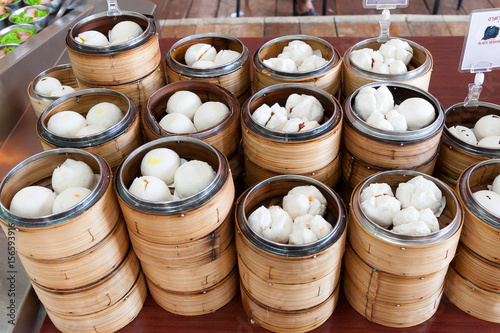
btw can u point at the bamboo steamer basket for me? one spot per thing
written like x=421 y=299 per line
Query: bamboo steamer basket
x=64 y=73
x=186 y=255
x=285 y=278
x=390 y=149
x=326 y=77
x=289 y=321
x=377 y=150
x=224 y=136
x=64 y=234
x=139 y=90
x=82 y=269
x=481 y=232
x=199 y=302
x=192 y=278
x=181 y=221
x=456 y=155
x=301 y=153
x=398 y=254
x=483 y=273
x=94 y=297
x=468 y=297
x=418 y=75
x=112 y=144
x=116 y=64
x=329 y=175
x=110 y=319
x=233 y=76
x=389 y=299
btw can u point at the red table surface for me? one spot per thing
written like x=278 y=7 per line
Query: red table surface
x=449 y=87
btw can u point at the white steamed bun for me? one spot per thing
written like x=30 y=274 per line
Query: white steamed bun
x=151 y=189
x=69 y=198
x=489 y=200
x=420 y=193
x=185 y=102
x=33 y=201
x=72 y=174
x=104 y=114
x=123 y=31
x=177 y=123
x=46 y=85
x=487 y=126
x=463 y=133
x=200 y=51
x=161 y=163
x=92 y=38
x=302 y=200
x=66 y=123
x=192 y=177
x=304 y=106
x=308 y=228
x=210 y=114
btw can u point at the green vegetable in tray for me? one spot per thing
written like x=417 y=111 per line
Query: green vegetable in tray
x=4 y=15
x=9 y=49
x=17 y=35
x=33 y=2
x=22 y=19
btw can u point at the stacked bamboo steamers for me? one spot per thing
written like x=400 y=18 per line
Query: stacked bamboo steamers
x=79 y=261
x=185 y=246
x=195 y=250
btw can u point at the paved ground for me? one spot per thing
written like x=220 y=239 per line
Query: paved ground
x=322 y=26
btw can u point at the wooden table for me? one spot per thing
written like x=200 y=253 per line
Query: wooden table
x=449 y=87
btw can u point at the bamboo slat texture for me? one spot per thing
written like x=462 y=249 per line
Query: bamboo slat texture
x=449 y=87
x=140 y=90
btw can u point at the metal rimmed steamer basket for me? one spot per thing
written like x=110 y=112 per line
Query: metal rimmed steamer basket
x=234 y=76
x=185 y=246
x=73 y=257
x=367 y=150
x=327 y=77
x=64 y=73
x=418 y=75
x=473 y=282
x=112 y=144
x=133 y=67
x=392 y=279
x=456 y=155
x=224 y=136
x=313 y=153
x=287 y=287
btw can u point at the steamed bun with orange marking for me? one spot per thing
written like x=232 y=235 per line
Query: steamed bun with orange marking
x=69 y=198
x=151 y=189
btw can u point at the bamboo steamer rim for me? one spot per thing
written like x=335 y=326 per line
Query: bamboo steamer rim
x=299 y=88
x=259 y=64
x=172 y=207
x=233 y=106
x=291 y=250
x=467 y=147
x=149 y=30
x=401 y=138
x=221 y=70
x=464 y=191
x=125 y=259
x=64 y=216
x=92 y=140
x=473 y=285
x=401 y=239
x=31 y=87
x=422 y=69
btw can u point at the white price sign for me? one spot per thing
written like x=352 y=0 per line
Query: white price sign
x=481 y=50
x=385 y=4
